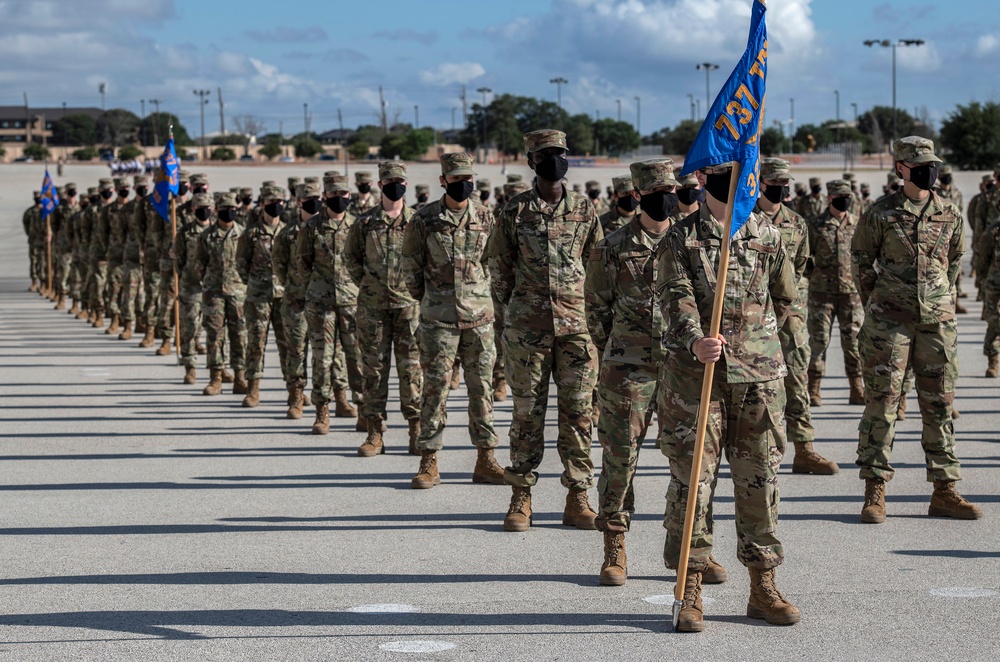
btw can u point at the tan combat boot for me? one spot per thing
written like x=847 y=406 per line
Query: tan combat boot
x=215 y=385
x=578 y=512
x=615 y=568
x=190 y=375
x=691 y=618
x=240 y=383
x=297 y=392
x=487 y=470
x=60 y=302
x=427 y=475
x=147 y=339
x=954 y=411
x=815 y=390
x=362 y=424
x=166 y=348
x=873 y=511
x=500 y=390
x=519 y=514
x=414 y=435
x=84 y=314
x=947 y=502
x=960 y=309
x=98 y=319
x=455 y=376
x=114 y=327
x=34 y=286
x=901 y=409
x=714 y=573
x=343 y=407
x=126 y=333
x=75 y=308
x=767 y=602
x=992 y=370
x=227 y=377
x=322 y=424
x=373 y=444
x=253 y=394
x=808 y=461
x=857 y=391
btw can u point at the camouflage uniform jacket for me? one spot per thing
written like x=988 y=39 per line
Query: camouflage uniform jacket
x=987 y=262
x=137 y=225
x=612 y=220
x=215 y=261
x=62 y=226
x=760 y=290
x=83 y=228
x=623 y=311
x=795 y=239
x=541 y=256
x=986 y=211
x=972 y=213
x=810 y=206
x=830 y=244
x=445 y=265
x=289 y=278
x=38 y=229
x=918 y=247
x=99 y=235
x=254 y=253
x=26 y=221
x=601 y=206
x=185 y=248
x=359 y=207
x=952 y=195
x=114 y=216
x=156 y=230
x=185 y=215
x=323 y=256
x=244 y=217
x=375 y=259
x=291 y=213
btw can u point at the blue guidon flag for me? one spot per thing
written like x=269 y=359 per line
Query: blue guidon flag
x=166 y=181
x=50 y=199
x=731 y=130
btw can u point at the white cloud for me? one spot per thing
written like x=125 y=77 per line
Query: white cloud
x=449 y=73
x=987 y=44
x=919 y=59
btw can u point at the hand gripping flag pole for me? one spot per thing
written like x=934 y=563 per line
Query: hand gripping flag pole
x=732 y=137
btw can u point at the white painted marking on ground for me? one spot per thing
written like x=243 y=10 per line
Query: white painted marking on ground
x=384 y=609
x=669 y=600
x=416 y=646
x=963 y=592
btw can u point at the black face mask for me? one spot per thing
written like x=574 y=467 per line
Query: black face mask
x=38 y=201
x=104 y=194
x=422 y=197
x=182 y=189
x=458 y=191
x=552 y=168
x=776 y=193
x=841 y=204
x=311 y=205
x=203 y=213
x=628 y=203
x=338 y=204
x=658 y=205
x=718 y=186
x=593 y=195
x=274 y=209
x=817 y=189
x=200 y=189
x=94 y=199
x=924 y=176
x=71 y=192
x=123 y=193
x=364 y=188
x=246 y=200
x=395 y=191
x=865 y=194
x=990 y=186
x=141 y=191
x=894 y=188
x=945 y=179
x=688 y=196
x=227 y=215
x=484 y=196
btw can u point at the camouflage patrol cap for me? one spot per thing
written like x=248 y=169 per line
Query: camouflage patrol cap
x=269 y=192
x=227 y=199
x=482 y=185
x=201 y=200
x=70 y=185
x=622 y=184
x=838 y=187
x=815 y=181
x=245 y=191
x=199 y=178
x=497 y=191
x=514 y=177
x=121 y=182
x=140 y=180
x=535 y=141
x=718 y=169
x=363 y=177
x=391 y=170
x=423 y=189
x=330 y=173
x=892 y=178
x=269 y=182
x=577 y=188
x=987 y=179
x=689 y=180
x=593 y=185
x=293 y=182
x=914 y=149
x=183 y=176
x=865 y=186
x=217 y=195
x=652 y=173
x=510 y=189
x=234 y=189
x=800 y=186
x=775 y=169
x=945 y=170
x=308 y=190
x=336 y=183
x=104 y=184
x=92 y=190
x=848 y=177
x=312 y=180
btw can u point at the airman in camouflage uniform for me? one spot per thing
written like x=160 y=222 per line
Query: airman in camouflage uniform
x=365 y=199
x=445 y=268
x=223 y=296
x=244 y=218
x=35 y=250
x=84 y=229
x=483 y=191
x=866 y=198
x=832 y=293
x=541 y=245
x=115 y=217
x=775 y=175
x=132 y=257
x=263 y=298
x=688 y=195
x=185 y=252
x=972 y=215
x=423 y=195
x=388 y=315
x=748 y=394
x=154 y=228
x=987 y=265
x=164 y=236
x=946 y=190
x=97 y=255
x=594 y=195
x=625 y=205
x=291 y=213
x=331 y=305
x=62 y=242
x=917 y=240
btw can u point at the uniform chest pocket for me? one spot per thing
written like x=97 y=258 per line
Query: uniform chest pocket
x=752 y=260
x=898 y=247
x=532 y=237
x=934 y=234
x=570 y=232
x=326 y=243
x=703 y=256
x=637 y=273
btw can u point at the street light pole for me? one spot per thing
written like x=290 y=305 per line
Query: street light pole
x=619 y=102
x=837 y=94
x=886 y=43
x=484 y=91
x=637 y=109
x=156 y=127
x=691 y=99
x=416 y=116
x=709 y=68
x=791 y=117
x=855 y=107
x=201 y=94
x=559 y=82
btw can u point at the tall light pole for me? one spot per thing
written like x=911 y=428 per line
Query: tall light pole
x=637 y=108
x=708 y=67
x=791 y=118
x=855 y=107
x=305 y=118
x=202 y=102
x=559 y=82
x=886 y=43
x=142 y=134
x=619 y=102
x=484 y=91
x=453 y=118
x=156 y=126
x=102 y=89
x=691 y=99
x=416 y=116
x=837 y=94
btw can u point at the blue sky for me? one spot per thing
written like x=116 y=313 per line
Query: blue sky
x=271 y=57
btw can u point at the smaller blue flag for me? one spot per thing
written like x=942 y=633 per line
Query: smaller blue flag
x=731 y=131
x=166 y=181
x=50 y=199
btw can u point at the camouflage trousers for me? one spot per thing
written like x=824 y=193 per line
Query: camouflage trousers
x=166 y=297
x=113 y=289
x=151 y=283
x=795 y=348
x=261 y=317
x=36 y=263
x=96 y=285
x=191 y=324
x=63 y=267
x=382 y=333
x=474 y=348
x=849 y=313
x=132 y=291
x=991 y=311
x=333 y=334
x=886 y=347
x=224 y=313
x=745 y=421
x=77 y=278
x=293 y=320
x=531 y=359
x=627 y=397
x=499 y=322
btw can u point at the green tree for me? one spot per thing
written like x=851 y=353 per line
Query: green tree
x=126 y=152
x=814 y=136
x=117 y=127
x=223 y=154
x=156 y=129
x=358 y=150
x=971 y=135
x=271 y=149
x=3 y=151
x=616 y=137
x=230 y=139
x=76 y=129
x=368 y=134
x=878 y=122
x=409 y=146
x=507 y=118
x=37 y=152
x=579 y=134
x=772 y=141
x=677 y=140
x=306 y=146
x=85 y=153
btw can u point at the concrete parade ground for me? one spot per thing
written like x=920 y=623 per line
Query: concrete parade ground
x=141 y=520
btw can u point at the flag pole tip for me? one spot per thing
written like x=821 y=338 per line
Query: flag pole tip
x=677 y=611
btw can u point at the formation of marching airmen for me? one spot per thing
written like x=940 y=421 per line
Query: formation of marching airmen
x=610 y=298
